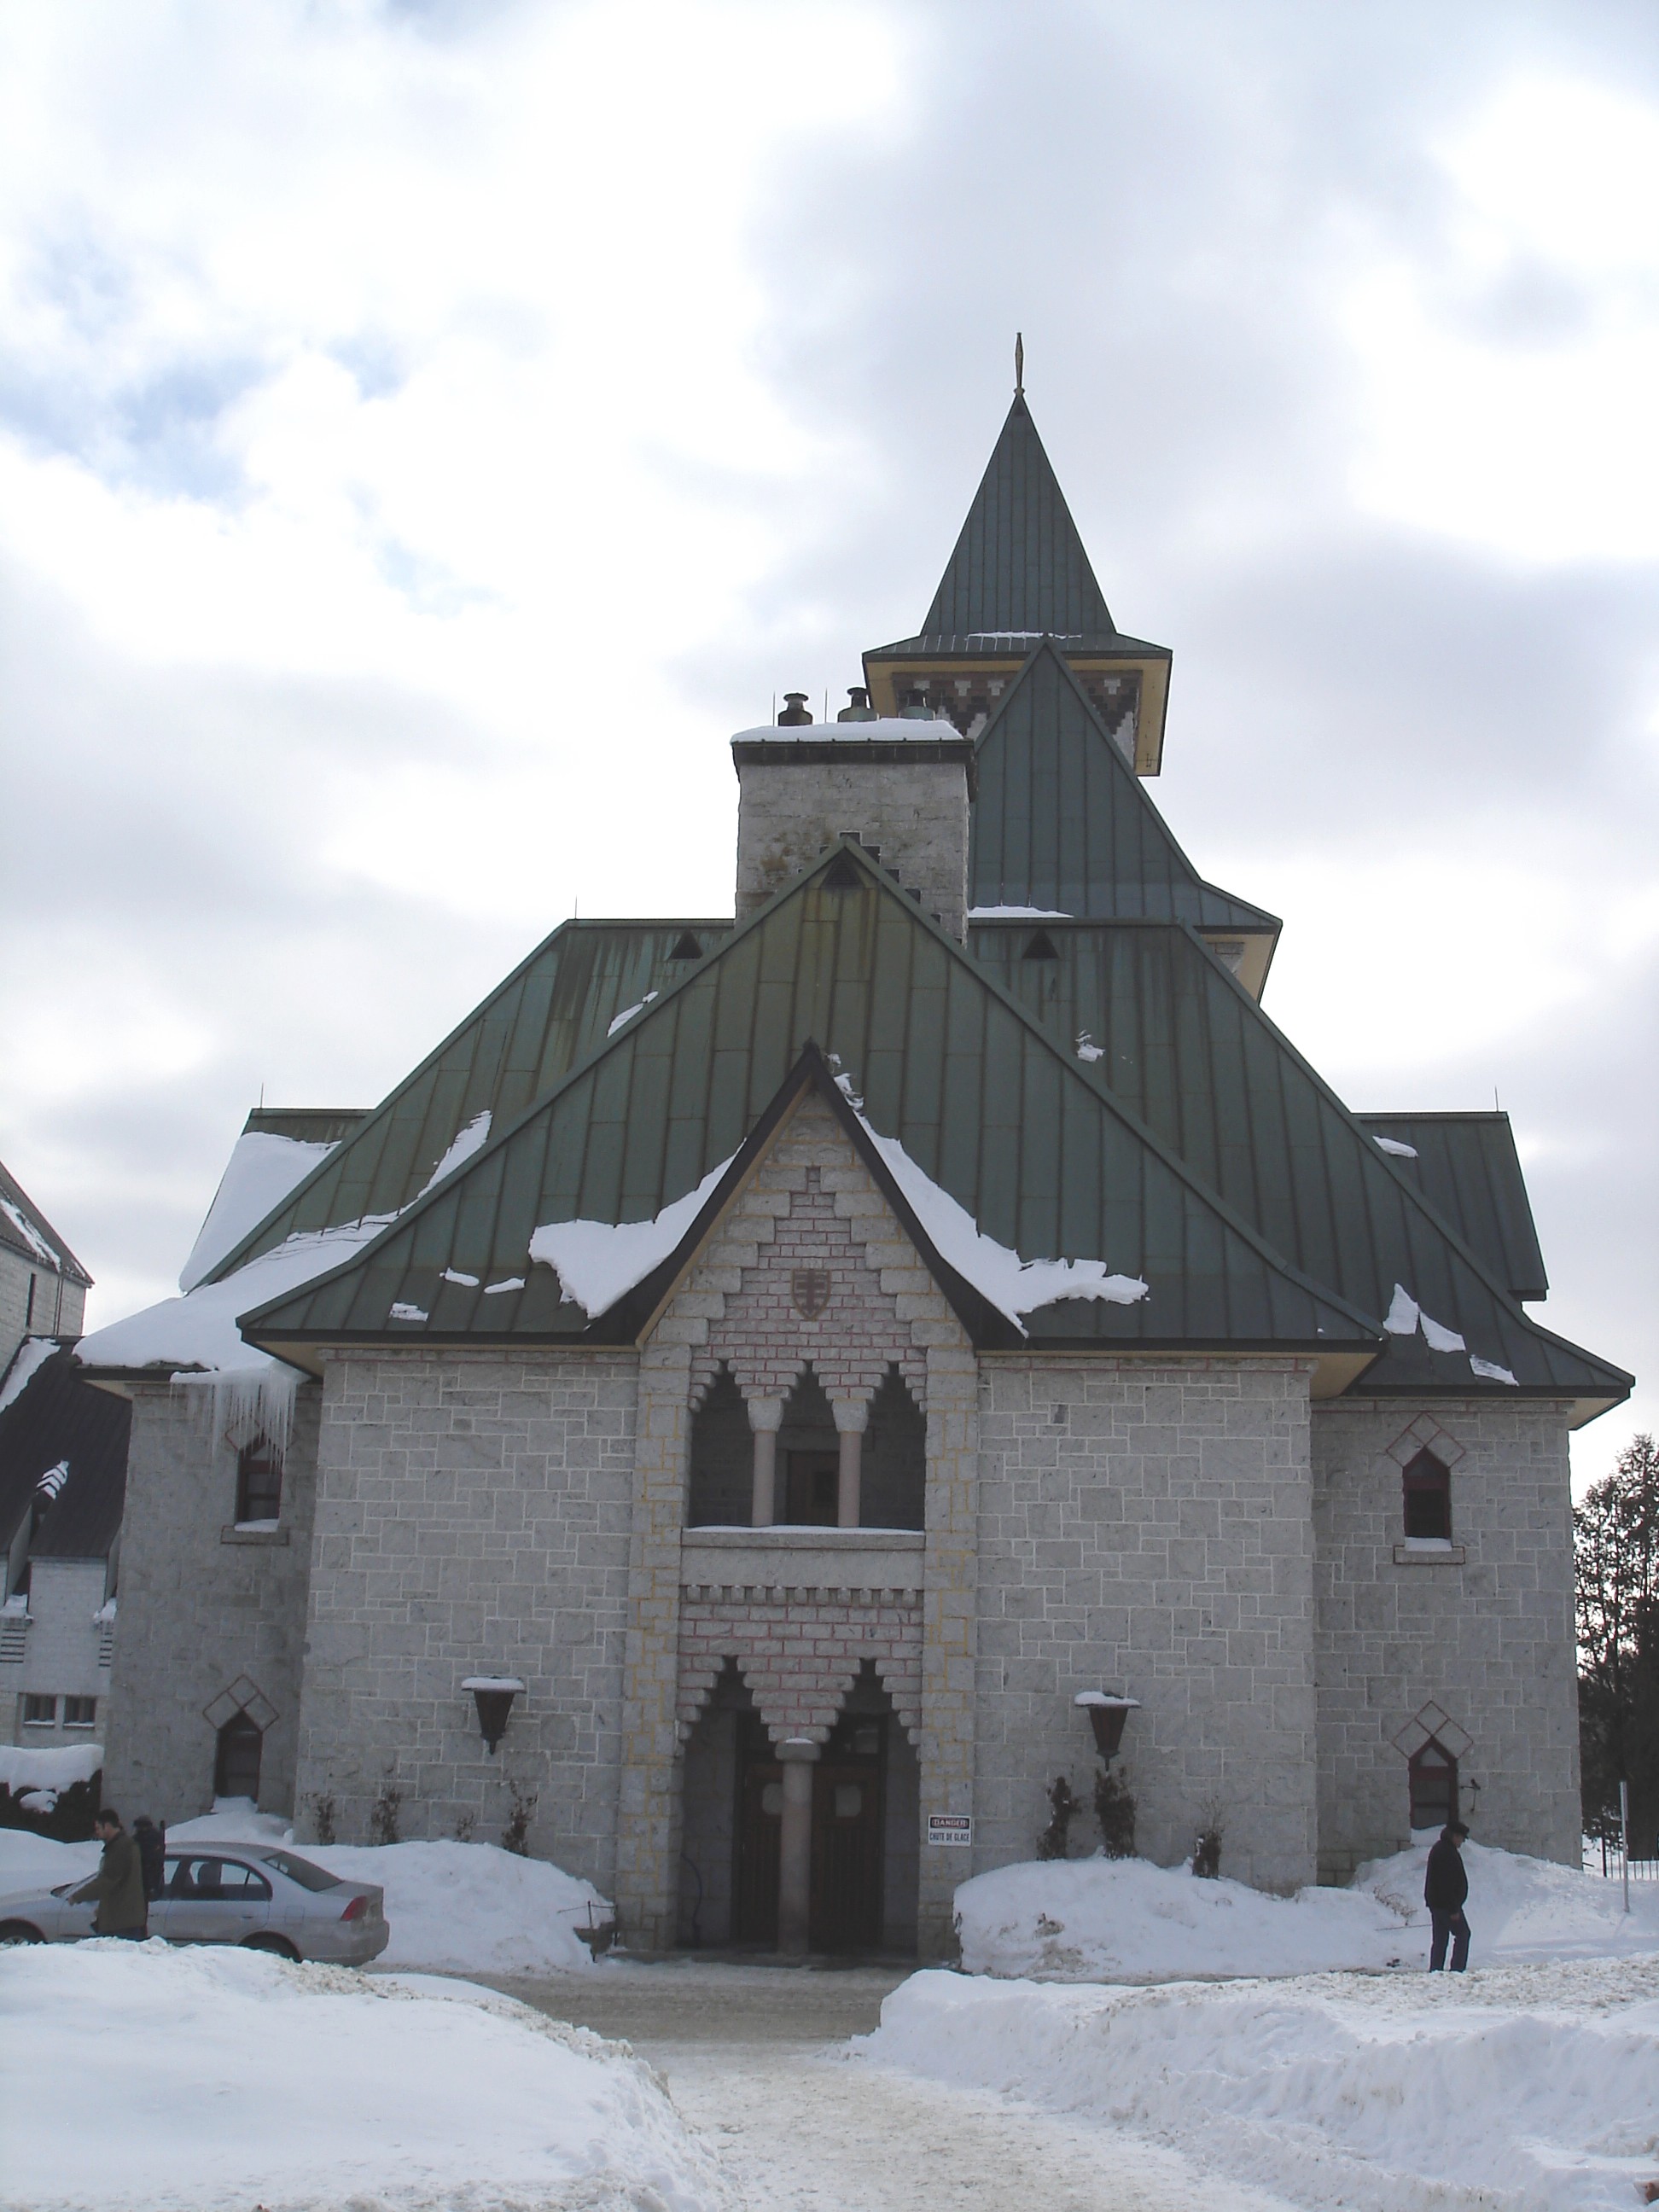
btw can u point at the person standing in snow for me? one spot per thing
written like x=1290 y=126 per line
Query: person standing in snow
x=151 y=1843
x=117 y=1887
x=1445 y=1888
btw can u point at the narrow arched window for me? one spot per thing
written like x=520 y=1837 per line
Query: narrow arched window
x=258 y=1481
x=236 y=1761
x=1433 y=1786
x=1428 y=1499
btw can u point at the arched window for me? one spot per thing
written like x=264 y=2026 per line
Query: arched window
x=258 y=1481
x=236 y=1766
x=1428 y=1499
x=1433 y=1786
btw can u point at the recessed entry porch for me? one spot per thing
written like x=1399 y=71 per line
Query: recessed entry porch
x=799 y=1710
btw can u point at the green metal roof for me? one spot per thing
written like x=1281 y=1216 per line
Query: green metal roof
x=1019 y=564
x=1046 y=1161
x=549 y=1014
x=1062 y=821
x=1467 y=1168
x=1191 y=1056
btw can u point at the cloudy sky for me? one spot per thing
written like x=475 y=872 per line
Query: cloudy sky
x=426 y=432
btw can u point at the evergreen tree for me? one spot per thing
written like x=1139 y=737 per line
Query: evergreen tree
x=1616 y=1543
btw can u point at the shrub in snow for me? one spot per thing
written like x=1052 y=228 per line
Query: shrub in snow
x=1063 y=1807
x=1206 y=1851
x=1115 y=1814
x=383 y=1813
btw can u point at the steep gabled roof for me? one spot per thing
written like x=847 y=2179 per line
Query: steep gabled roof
x=25 y=1230
x=1062 y=822
x=544 y=1019
x=1019 y=564
x=1467 y=1168
x=1170 y=1034
x=977 y=1096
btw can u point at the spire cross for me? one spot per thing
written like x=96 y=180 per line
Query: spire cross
x=1019 y=365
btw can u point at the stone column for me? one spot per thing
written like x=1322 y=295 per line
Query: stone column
x=765 y=1418
x=800 y=1756
x=851 y=1421
x=950 y=1639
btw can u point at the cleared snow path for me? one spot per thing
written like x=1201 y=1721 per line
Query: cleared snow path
x=755 y=2060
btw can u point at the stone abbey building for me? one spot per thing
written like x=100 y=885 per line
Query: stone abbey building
x=765 y=1370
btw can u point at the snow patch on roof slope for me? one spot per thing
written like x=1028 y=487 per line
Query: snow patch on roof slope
x=628 y=1012
x=462 y=1145
x=1017 y=914
x=260 y=1173
x=1393 y=1144
x=1405 y=1315
x=32 y=1354
x=199 y=1330
x=597 y=1262
x=1014 y=1286
x=31 y=1235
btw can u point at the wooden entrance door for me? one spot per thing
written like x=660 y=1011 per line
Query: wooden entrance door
x=847 y=1830
x=759 y=1835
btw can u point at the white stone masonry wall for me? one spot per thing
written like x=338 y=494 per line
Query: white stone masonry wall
x=203 y=1607
x=1485 y=1632
x=1149 y=1531
x=472 y=1519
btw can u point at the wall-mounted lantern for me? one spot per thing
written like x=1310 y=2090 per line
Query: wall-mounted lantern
x=1107 y=1713
x=493 y=1694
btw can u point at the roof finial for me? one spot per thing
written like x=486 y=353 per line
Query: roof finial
x=1019 y=365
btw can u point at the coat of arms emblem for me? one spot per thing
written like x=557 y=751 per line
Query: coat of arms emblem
x=809 y=1288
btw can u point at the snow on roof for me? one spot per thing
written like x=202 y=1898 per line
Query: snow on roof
x=492 y=1682
x=1014 y=1286
x=1105 y=1701
x=1017 y=914
x=600 y=1261
x=886 y=730
x=199 y=1330
x=49 y=1770
x=32 y=1354
x=31 y=1235
x=259 y=1174
x=1393 y=1144
x=462 y=1146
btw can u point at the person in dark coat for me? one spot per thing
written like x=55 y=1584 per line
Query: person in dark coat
x=1445 y=1888
x=152 y=1854
x=117 y=1887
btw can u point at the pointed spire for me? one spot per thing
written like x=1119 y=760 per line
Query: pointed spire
x=1019 y=564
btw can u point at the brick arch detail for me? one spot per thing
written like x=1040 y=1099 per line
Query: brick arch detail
x=799 y=1652
x=812 y=1205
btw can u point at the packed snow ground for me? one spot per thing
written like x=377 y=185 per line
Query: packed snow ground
x=1514 y=2088
x=136 y=2076
x=458 y=1908
x=1126 y=1920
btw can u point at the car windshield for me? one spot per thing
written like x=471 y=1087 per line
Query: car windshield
x=302 y=1870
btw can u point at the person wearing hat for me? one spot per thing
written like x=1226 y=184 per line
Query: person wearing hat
x=1445 y=1888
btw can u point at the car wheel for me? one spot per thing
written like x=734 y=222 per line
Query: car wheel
x=19 y=1931
x=277 y=1946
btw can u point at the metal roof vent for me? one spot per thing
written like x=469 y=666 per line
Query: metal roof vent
x=842 y=876
x=686 y=947
x=1039 y=947
x=858 y=708
x=916 y=708
x=796 y=715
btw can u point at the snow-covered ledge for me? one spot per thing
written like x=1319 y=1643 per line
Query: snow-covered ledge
x=787 y=1558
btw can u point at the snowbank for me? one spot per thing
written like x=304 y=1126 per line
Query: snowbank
x=466 y=1908
x=459 y=1908
x=31 y=1355
x=198 y=2064
x=1530 y=2089
x=1126 y=1920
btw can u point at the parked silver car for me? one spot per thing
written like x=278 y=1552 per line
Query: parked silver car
x=262 y=1896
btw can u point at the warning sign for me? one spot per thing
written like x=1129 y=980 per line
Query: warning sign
x=956 y=1828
